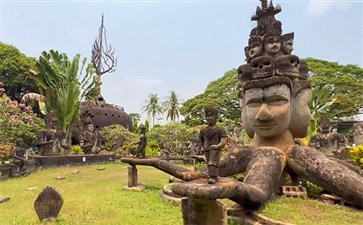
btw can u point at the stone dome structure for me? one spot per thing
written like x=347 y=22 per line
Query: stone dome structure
x=103 y=114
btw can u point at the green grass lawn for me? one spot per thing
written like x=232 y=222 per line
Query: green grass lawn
x=308 y=211
x=96 y=197
x=91 y=197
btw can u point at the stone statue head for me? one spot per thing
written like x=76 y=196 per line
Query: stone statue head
x=287 y=43
x=272 y=44
x=255 y=46
x=266 y=106
x=211 y=114
x=274 y=105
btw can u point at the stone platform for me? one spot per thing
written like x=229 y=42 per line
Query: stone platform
x=71 y=160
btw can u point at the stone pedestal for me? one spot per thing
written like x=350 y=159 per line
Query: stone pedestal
x=132 y=179
x=201 y=207
x=203 y=212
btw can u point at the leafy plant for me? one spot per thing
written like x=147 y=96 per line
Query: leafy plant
x=6 y=151
x=116 y=136
x=357 y=155
x=152 y=148
x=313 y=190
x=200 y=165
x=16 y=122
x=76 y=149
x=65 y=84
x=173 y=136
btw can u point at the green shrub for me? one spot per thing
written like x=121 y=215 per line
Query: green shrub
x=200 y=165
x=116 y=136
x=16 y=122
x=6 y=151
x=314 y=191
x=173 y=136
x=152 y=148
x=357 y=155
x=77 y=149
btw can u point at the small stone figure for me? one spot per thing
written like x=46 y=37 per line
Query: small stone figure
x=140 y=151
x=19 y=158
x=212 y=139
x=88 y=138
x=358 y=133
x=328 y=140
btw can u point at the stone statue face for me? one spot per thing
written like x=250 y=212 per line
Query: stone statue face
x=255 y=50
x=301 y=116
x=90 y=127
x=272 y=45
x=287 y=46
x=211 y=118
x=267 y=110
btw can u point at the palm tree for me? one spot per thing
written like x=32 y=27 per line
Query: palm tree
x=64 y=85
x=171 y=107
x=152 y=107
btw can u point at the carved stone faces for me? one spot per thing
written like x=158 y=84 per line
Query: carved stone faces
x=287 y=44
x=272 y=45
x=288 y=65
x=301 y=118
x=262 y=67
x=255 y=47
x=267 y=110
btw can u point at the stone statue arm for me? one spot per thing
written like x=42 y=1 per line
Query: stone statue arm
x=220 y=145
x=331 y=175
x=167 y=167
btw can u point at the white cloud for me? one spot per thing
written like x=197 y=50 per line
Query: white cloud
x=320 y=7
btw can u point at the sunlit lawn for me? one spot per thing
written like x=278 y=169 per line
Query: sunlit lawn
x=91 y=197
x=96 y=197
x=303 y=212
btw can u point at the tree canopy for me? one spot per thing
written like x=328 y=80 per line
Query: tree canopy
x=171 y=107
x=222 y=93
x=342 y=82
x=65 y=84
x=15 y=72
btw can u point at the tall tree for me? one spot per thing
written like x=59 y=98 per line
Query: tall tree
x=171 y=107
x=342 y=82
x=64 y=85
x=221 y=93
x=153 y=107
x=15 y=72
x=102 y=58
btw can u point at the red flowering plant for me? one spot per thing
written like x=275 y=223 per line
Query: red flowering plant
x=17 y=121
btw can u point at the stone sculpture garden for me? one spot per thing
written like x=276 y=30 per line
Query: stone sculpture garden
x=274 y=92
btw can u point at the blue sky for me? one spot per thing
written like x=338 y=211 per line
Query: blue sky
x=176 y=45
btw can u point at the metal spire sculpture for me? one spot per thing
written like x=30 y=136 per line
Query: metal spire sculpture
x=103 y=58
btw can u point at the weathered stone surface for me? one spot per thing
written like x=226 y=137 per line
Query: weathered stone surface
x=59 y=178
x=48 y=203
x=4 y=198
x=328 y=174
x=132 y=176
x=203 y=212
x=200 y=189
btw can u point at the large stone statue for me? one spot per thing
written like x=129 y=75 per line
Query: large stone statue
x=274 y=95
x=212 y=140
